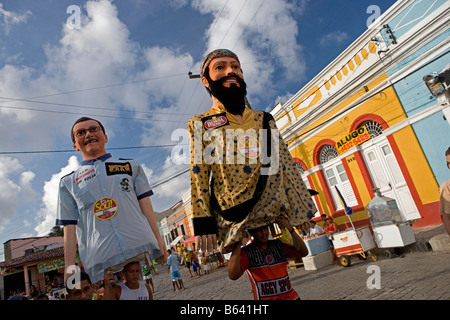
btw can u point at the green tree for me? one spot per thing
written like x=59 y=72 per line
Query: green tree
x=56 y=232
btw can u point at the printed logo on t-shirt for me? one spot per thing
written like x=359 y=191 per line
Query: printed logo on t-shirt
x=248 y=146
x=125 y=184
x=84 y=176
x=274 y=287
x=215 y=121
x=118 y=168
x=269 y=259
x=105 y=208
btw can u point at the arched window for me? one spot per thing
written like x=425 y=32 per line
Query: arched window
x=300 y=168
x=374 y=128
x=327 y=153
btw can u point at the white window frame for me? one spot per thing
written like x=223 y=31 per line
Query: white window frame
x=335 y=175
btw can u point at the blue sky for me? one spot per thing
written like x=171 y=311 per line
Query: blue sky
x=127 y=66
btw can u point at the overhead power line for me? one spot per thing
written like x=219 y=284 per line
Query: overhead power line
x=71 y=150
x=90 y=114
x=85 y=107
x=298 y=135
x=105 y=86
x=170 y=178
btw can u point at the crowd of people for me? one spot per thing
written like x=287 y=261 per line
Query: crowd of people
x=197 y=260
x=133 y=274
x=311 y=229
x=53 y=289
x=189 y=257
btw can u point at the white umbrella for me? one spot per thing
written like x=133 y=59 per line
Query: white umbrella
x=177 y=239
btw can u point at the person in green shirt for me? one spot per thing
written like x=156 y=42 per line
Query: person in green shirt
x=148 y=276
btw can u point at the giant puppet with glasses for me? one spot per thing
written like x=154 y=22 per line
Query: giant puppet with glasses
x=105 y=208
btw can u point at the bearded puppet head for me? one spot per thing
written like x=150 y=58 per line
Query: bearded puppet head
x=223 y=78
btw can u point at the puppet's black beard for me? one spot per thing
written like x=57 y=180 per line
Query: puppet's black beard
x=233 y=98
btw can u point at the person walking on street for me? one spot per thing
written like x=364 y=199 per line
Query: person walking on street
x=265 y=262
x=444 y=199
x=195 y=263
x=147 y=275
x=174 y=268
x=187 y=260
x=330 y=229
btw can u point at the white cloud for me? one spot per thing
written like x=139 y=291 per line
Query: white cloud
x=99 y=53
x=177 y=4
x=26 y=189
x=333 y=38
x=11 y=18
x=13 y=181
x=8 y=191
x=165 y=193
x=257 y=31
x=162 y=62
x=46 y=215
x=282 y=99
x=102 y=53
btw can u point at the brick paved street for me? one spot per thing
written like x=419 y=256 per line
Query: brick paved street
x=418 y=275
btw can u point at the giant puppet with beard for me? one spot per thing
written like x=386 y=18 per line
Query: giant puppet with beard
x=242 y=174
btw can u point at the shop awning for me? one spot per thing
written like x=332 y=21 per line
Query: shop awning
x=191 y=239
x=177 y=239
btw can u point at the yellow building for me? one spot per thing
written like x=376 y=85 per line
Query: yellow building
x=358 y=124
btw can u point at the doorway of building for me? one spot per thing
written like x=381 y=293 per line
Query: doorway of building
x=387 y=176
x=14 y=283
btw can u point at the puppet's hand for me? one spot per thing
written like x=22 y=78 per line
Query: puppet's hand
x=206 y=242
x=283 y=222
x=162 y=247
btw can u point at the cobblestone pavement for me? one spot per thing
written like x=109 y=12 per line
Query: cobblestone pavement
x=416 y=276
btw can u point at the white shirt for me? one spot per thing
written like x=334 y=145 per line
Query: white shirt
x=102 y=199
x=140 y=293
x=316 y=230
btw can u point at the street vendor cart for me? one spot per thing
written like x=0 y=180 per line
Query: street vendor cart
x=390 y=231
x=354 y=242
